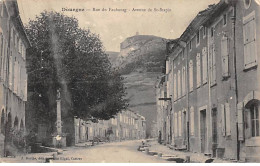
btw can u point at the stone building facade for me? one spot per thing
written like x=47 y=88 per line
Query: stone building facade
x=209 y=90
x=13 y=82
x=126 y=125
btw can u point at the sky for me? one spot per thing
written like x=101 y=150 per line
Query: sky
x=164 y=18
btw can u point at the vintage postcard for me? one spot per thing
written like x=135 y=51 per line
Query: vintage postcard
x=129 y=81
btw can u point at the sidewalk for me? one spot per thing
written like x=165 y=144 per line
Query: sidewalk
x=194 y=157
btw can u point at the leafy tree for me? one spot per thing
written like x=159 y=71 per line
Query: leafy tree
x=73 y=59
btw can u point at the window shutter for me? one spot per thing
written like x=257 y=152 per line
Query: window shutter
x=204 y=65
x=224 y=56
x=223 y=120
x=5 y=61
x=3 y=58
x=249 y=31
x=25 y=87
x=183 y=81
x=1 y=52
x=213 y=64
x=179 y=83
x=180 y=122
x=227 y=111
x=19 y=80
x=210 y=64
x=15 y=76
x=175 y=87
x=198 y=70
x=240 y=121
x=191 y=75
x=11 y=72
x=175 y=125
x=192 y=121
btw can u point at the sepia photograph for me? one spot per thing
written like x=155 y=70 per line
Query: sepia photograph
x=129 y=81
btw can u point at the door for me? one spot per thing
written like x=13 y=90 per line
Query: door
x=203 y=130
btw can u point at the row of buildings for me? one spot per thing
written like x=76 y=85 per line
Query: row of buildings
x=208 y=97
x=13 y=96
x=126 y=125
x=13 y=77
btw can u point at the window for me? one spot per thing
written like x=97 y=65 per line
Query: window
x=212 y=32
x=190 y=45
x=191 y=75
x=121 y=118
x=223 y=119
x=90 y=130
x=225 y=19
x=192 y=121
x=175 y=124
x=204 y=31
x=175 y=87
x=11 y=71
x=225 y=56
x=25 y=87
x=179 y=123
x=198 y=70
x=12 y=34
x=179 y=58
x=183 y=81
x=20 y=46
x=228 y=127
x=2 y=11
x=198 y=38
x=1 y=51
x=254 y=116
x=212 y=65
x=179 y=83
x=204 y=65
x=249 y=32
x=225 y=114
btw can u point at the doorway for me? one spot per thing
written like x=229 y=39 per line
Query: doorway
x=203 y=130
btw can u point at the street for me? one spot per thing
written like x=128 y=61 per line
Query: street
x=114 y=152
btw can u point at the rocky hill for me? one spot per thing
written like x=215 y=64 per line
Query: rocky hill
x=140 y=61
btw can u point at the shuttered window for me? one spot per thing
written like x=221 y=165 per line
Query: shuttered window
x=249 y=32
x=212 y=62
x=192 y=121
x=240 y=121
x=183 y=81
x=228 y=125
x=191 y=75
x=225 y=116
x=5 y=62
x=204 y=65
x=1 y=52
x=175 y=87
x=198 y=70
x=3 y=59
x=15 y=76
x=225 y=56
x=11 y=72
x=179 y=122
x=175 y=124
x=25 y=85
x=179 y=83
x=223 y=120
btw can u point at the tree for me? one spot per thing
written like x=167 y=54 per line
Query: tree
x=73 y=59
